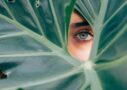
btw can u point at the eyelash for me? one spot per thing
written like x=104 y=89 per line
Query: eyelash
x=86 y=38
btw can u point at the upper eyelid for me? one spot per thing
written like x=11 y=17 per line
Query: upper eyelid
x=74 y=29
x=78 y=30
x=82 y=31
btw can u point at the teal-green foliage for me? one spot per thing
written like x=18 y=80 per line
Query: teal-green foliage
x=33 y=45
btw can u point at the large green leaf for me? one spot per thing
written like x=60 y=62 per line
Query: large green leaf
x=109 y=21
x=32 y=45
x=33 y=42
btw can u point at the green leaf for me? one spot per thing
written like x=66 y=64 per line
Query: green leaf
x=32 y=41
x=33 y=45
x=109 y=21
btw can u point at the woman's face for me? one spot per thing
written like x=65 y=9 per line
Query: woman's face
x=80 y=37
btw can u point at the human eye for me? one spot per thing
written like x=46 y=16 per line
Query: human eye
x=83 y=35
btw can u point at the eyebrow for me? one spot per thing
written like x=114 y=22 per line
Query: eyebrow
x=79 y=24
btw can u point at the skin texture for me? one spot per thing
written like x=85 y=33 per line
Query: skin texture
x=80 y=37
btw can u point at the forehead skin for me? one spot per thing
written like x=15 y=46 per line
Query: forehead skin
x=75 y=18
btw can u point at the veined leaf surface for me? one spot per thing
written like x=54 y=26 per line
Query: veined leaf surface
x=33 y=41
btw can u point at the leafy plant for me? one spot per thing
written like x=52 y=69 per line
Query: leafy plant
x=33 y=45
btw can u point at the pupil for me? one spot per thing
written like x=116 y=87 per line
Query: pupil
x=83 y=35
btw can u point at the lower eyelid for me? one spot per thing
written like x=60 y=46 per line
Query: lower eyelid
x=77 y=41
